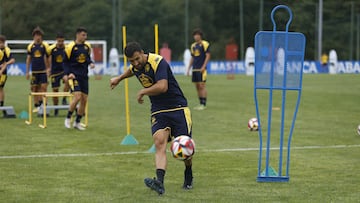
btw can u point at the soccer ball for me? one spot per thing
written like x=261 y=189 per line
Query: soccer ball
x=182 y=148
x=253 y=124
x=358 y=130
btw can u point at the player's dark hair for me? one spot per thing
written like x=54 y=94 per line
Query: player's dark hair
x=197 y=31
x=81 y=29
x=37 y=31
x=131 y=48
x=60 y=35
x=2 y=38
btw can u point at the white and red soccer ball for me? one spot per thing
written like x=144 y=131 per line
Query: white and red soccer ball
x=182 y=148
x=253 y=124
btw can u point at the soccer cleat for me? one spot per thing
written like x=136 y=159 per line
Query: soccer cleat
x=67 y=123
x=56 y=112
x=188 y=183
x=36 y=109
x=78 y=126
x=187 y=187
x=155 y=185
x=200 y=107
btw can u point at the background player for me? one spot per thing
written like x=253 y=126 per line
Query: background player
x=170 y=115
x=6 y=60
x=40 y=69
x=76 y=65
x=56 y=53
x=200 y=53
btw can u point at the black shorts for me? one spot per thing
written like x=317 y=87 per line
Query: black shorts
x=177 y=120
x=81 y=84
x=3 y=79
x=38 y=78
x=55 y=79
x=198 y=76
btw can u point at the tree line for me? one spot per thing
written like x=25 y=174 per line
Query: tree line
x=219 y=19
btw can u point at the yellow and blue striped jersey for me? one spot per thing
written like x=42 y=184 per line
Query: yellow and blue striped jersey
x=57 y=58
x=157 y=69
x=38 y=54
x=198 y=52
x=77 y=58
x=5 y=56
x=2 y=58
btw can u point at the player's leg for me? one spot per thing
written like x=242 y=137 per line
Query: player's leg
x=66 y=88
x=55 y=84
x=2 y=96
x=73 y=103
x=202 y=92
x=161 y=132
x=43 y=82
x=56 y=101
x=43 y=87
x=160 y=141
x=34 y=87
x=72 y=106
x=188 y=175
x=182 y=125
x=82 y=85
x=81 y=111
x=160 y=138
x=2 y=92
x=202 y=88
x=199 y=79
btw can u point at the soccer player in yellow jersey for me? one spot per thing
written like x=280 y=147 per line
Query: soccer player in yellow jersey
x=56 y=53
x=77 y=61
x=170 y=115
x=7 y=59
x=200 y=52
x=37 y=58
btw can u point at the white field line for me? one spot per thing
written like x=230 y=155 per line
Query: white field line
x=146 y=152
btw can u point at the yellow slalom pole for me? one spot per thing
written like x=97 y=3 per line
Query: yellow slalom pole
x=127 y=111
x=30 y=110
x=156 y=32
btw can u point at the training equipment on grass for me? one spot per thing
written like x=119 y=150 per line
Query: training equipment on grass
x=279 y=57
x=182 y=148
x=130 y=138
x=24 y=115
x=9 y=111
x=253 y=124
x=152 y=149
x=43 y=110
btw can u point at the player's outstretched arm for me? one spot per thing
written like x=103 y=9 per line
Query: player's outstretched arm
x=116 y=80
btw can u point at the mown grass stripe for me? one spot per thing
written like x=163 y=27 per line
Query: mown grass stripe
x=146 y=152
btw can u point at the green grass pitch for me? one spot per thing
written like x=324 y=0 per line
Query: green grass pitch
x=61 y=165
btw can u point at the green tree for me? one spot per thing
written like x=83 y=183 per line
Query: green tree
x=219 y=19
